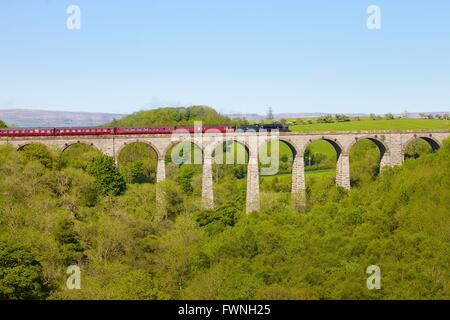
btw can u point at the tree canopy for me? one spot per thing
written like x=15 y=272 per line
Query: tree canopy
x=174 y=116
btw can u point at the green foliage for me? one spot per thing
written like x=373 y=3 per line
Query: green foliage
x=328 y=118
x=364 y=162
x=39 y=152
x=78 y=156
x=176 y=254
x=69 y=244
x=389 y=116
x=341 y=118
x=174 y=116
x=184 y=178
x=137 y=173
x=137 y=163
x=215 y=221
x=417 y=148
x=171 y=198
x=3 y=124
x=240 y=171
x=21 y=275
x=319 y=154
x=108 y=178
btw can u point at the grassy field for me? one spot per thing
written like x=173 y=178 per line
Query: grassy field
x=368 y=124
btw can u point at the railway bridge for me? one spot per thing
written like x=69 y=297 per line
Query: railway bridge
x=391 y=145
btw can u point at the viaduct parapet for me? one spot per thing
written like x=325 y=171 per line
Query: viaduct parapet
x=391 y=145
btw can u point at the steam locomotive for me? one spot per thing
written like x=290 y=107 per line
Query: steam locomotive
x=77 y=131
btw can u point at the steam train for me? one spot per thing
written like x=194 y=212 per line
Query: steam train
x=77 y=131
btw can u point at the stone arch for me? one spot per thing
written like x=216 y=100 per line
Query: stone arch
x=173 y=144
x=242 y=142
x=337 y=145
x=282 y=175
x=21 y=146
x=125 y=144
x=382 y=146
x=137 y=161
x=213 y=171
x=342 y=159
x=40 y=152
x=78 y=153
x=362 y=165
x=65 y=146
x=288 y=142
x=184 y=157
x=433 y=142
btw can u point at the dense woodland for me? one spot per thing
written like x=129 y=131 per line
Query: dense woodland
x=79 y=207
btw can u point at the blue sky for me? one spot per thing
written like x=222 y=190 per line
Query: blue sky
x=237 y=56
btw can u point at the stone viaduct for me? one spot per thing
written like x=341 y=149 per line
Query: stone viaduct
x=391 y=145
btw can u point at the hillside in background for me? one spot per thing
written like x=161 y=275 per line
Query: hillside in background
x=46 y=118
x=174 y=116
x=301 y=115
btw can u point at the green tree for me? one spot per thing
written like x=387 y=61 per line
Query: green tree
x=342 y=118
x=108 y=178
x=171 y=198
x=177 y=253
x=215 y=221
x=239 y=171
x=328 y=118
x=389 y=116
x=138 y=173
x=39 y=152
x=184 y=178
x=21 y=275
x=78 y=155
x=137 y=163
x=416 y=148
x=70 y=246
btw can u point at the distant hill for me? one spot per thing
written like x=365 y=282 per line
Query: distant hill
x=258 y=117
x=46 y=118
x=174 y=116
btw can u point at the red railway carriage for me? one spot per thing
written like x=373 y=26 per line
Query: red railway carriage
x=144 y=130
x=75 y=131
x=69 y=131
x=220 y=128
x=190 y=129
x=26 y=132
